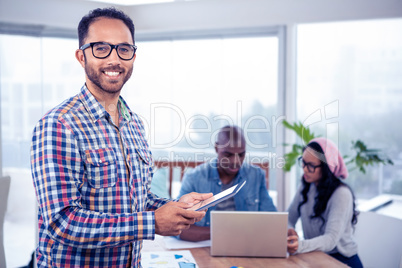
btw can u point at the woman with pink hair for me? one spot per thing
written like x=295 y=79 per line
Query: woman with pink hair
x=325 y=205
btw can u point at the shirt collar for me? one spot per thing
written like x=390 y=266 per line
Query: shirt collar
x=124 y=110
x=95 y=108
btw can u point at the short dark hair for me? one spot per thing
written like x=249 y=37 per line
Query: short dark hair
x=95 y=14
x=228 y=134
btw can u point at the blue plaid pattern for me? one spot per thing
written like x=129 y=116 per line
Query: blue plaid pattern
x=92 y=182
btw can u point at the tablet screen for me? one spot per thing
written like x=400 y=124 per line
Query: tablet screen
x=216 y=199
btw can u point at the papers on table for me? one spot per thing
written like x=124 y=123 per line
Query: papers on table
x=174 y=243
x=153 y=245
x=156 y=254
x=168 y=259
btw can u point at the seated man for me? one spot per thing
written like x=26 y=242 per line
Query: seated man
x=223 y=172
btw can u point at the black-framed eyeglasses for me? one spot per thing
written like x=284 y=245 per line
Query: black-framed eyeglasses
x=310 y=167
x=102 y=50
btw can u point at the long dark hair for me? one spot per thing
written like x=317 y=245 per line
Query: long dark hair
x=325 y=188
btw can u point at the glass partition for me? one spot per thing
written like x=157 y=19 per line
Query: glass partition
x=187 y=89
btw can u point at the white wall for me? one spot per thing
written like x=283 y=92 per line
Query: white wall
x=379 y=240
x=201 y=15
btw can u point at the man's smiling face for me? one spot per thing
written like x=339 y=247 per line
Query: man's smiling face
x=108 y=75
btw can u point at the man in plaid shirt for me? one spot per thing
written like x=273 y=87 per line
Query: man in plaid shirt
x=91 y=164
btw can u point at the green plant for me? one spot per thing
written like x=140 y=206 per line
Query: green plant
x=362 y=157
x=365 y=157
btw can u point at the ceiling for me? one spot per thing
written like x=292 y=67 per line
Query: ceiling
x=136 y=2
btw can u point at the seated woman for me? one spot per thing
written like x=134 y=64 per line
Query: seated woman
x=325 y=204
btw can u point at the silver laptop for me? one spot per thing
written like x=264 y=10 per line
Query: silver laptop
x=249 y=233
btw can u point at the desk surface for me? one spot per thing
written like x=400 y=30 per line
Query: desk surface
x=311 y=260
x=204 y=260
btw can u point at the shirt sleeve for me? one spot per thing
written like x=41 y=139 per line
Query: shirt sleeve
x=58 y=172
x=293 y=213
x=340 y=208
x=154 y=202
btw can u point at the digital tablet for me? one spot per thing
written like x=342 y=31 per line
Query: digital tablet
x=216 y=199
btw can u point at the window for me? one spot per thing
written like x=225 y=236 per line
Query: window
x=349 y=87
x=36 y=75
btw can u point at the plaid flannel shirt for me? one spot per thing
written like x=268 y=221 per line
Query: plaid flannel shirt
x=92 y=184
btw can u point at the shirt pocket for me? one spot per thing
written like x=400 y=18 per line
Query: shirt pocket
x=145 y=156
x=101 y=167
x=252 y=203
